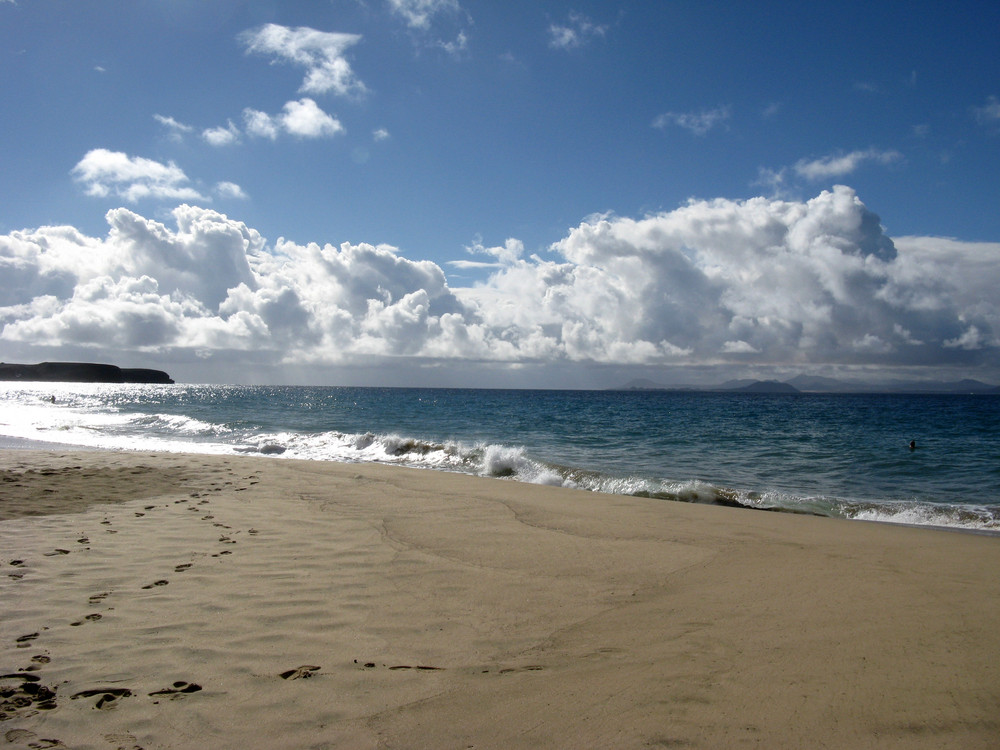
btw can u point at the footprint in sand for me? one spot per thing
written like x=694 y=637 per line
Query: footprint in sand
x=24 y=640
x=89 y=618
x=528 y=668
x=121 y=740
x=18 y=575
x=57 y=551
x=300 y=673
x=154 y=584
x=106 y=697
x=23 y=735
x=19 y=735
x=23 y=692
x=179 y=688
x=401 y=667
x=182 y=567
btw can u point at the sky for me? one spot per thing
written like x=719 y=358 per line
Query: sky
x=502 y=194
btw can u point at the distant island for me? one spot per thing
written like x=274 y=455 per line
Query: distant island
x=814 y=384
x=82 y=372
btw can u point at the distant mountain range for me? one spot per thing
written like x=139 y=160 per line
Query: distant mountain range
x=818 y=384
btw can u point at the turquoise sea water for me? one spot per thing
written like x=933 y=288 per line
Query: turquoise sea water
x=837 y=455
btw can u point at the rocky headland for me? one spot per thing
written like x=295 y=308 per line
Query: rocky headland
x=82 y=372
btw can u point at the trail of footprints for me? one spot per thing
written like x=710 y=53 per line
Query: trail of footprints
x=23 y=692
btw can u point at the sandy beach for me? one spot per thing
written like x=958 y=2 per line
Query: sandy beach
x=192 y=601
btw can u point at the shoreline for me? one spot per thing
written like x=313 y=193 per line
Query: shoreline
x=9 y=442
x=16 y=443
x=368 y=605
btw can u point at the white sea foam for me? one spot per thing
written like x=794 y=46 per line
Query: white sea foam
x=504 y=461
x=513 y=462
x=695 y=492
x=184 y=424
x=972 y=518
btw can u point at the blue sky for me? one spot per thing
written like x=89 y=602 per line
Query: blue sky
x=488 y=151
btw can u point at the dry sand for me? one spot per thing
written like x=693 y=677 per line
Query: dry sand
x=190 y=601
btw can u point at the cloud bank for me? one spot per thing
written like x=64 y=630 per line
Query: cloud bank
x=752 y=284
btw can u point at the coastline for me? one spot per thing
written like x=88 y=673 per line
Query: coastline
x=431 y=609
x=855 y=464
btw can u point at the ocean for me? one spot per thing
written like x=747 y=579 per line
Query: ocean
x=839 y=455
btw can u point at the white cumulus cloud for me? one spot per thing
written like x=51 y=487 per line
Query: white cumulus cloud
x=321 y=53
x=302 y=118
x=222 y=136
x=104 y=172
x=843 y=164
x=260 y=124
x=229 y=190
x=971 y=338
x=739 y=347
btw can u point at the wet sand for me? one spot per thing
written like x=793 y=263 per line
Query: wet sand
x=192 y=601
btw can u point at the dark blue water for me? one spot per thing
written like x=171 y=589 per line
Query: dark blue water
x=842 y=455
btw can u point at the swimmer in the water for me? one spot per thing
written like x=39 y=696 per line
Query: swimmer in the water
x=913 y=445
